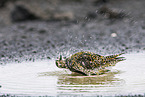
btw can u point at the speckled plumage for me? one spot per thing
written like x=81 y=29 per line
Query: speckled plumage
x=88 y=63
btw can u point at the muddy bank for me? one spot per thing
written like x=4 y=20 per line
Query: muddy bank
x=102 y=27
x=41 y=40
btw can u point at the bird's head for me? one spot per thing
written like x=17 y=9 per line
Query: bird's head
x=60 y=63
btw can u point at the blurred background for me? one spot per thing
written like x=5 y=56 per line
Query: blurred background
x=34 y=29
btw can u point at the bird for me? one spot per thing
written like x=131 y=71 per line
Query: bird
x=88 y=63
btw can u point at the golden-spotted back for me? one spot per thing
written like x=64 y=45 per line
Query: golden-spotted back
x=89 y=63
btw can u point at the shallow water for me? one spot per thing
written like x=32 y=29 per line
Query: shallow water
x=44 y=78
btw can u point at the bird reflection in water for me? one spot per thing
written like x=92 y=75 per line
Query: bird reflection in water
x=76 y=79
x=64 y=78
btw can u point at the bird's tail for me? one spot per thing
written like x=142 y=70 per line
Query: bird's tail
x=113 y=59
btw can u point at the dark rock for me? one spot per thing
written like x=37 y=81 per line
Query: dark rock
x=123 y=45
x=143 y=27
x=2 y=3
x=48 y=57
x=42 y=31
x=104 y=10
x=91 y=15
x=110 y=13
x=48 y=41
x=72 y=0
x=98 y=2
x=34 y=52
x=2 y=55
x=24 y=37
x=31 y=29
x=20 y=13
x=78 y=0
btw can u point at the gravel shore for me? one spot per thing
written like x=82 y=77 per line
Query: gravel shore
x=103 y=27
